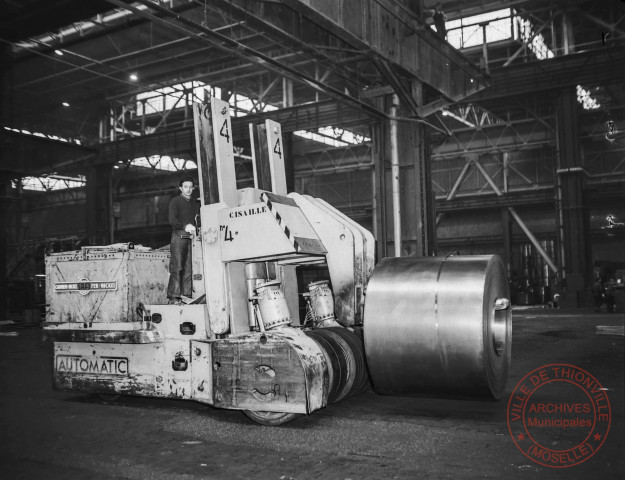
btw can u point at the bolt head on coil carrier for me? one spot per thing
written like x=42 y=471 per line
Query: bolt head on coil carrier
x=439 y=325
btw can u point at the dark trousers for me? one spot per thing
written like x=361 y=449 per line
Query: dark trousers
x=180 y=265
x=598 y=301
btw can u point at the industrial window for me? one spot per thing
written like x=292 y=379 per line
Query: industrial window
x=185 y=94
x=176 y=96
x=585 y=98
x=505 y=25
x=161 y=162
x=467 y=32
x=524 y=29
x=336 y=137
x=242 y=105
x=44 y=135
x=50 y=182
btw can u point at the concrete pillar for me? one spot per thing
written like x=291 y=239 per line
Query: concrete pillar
x=416 y=197
x=287 y=92
x=568 y=39
x=395 y=181
x=6 y=84
x=5 y=184
x=5 y=204
x=507 y=241
x=380 y=162
x=99 y=204
x=575 y=232
x=289 y=167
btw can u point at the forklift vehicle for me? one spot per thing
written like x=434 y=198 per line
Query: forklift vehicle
x=410 y=325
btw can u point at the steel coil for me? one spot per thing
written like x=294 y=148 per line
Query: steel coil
x=439 y=325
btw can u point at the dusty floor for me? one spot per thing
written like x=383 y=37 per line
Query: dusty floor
x=56 y=435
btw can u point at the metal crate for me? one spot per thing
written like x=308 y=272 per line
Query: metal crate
x=97 y=286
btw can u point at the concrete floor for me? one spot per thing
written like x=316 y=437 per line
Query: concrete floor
x=57 y=435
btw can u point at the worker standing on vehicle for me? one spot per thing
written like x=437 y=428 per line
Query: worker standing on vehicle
x=182 y=212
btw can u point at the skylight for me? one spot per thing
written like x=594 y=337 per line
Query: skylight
x=171 y=97
x=584 y=97
x=542 y=51
x=50 y=182
x=504 y=25
x=242 y=106
x=185 y=94
x=43 y=135
x=161 y=162
x=336 y=137
x=525 y=30
x=176 y=96
x=467 y=32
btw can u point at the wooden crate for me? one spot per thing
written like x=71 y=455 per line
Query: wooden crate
x=100 y=285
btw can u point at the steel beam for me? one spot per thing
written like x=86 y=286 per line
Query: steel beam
x=172 y=20
x=387 y=29
x=611 y=27
x=30 y=155
x=454 y=189
x=518 y=219
x=286 y=28
x=592 y=67
x=171 y=141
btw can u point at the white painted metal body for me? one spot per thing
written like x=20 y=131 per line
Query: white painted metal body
x=216 y=352
x=115 y=335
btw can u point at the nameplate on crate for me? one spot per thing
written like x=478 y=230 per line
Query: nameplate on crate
x=84 y=286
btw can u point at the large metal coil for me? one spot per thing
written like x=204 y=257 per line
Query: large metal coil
x=439 y=325
x=345 y=357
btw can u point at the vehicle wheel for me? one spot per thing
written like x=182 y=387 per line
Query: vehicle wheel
x=109 y=397
x=271 y=418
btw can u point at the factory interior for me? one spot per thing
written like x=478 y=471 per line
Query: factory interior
x=471 y=152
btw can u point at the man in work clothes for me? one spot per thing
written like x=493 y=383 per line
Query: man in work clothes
x=182 y=212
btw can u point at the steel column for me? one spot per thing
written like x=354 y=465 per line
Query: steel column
x=575 y=222
x=379 y=132
x=408 y=191
x=395 y=177
x=507 y=240
x=5 y=188
x=99 y=206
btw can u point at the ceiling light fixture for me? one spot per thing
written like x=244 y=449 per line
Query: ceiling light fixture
x=133 y=77
x=58 y=52
x=65 y=104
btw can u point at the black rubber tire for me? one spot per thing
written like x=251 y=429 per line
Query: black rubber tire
x=271 y=419
x=336 y=369
x=362 y=383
